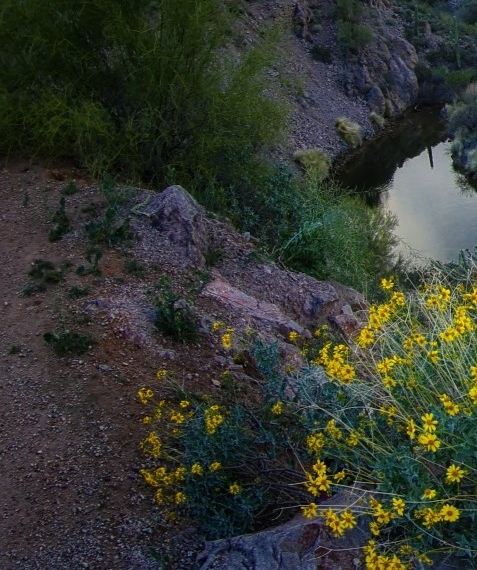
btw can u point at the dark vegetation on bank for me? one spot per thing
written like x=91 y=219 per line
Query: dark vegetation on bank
x=157 y=93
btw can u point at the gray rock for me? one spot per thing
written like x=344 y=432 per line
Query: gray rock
x=180 y=221
x=376 y=100
x=300 y=544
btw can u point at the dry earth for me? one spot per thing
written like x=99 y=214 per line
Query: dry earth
x=71 y=496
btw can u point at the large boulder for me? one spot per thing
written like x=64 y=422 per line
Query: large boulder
x=179 y=220
x=300 y=544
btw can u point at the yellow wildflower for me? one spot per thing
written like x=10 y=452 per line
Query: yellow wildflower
x=429 y=494
x=235 y=489
x=473 y=394
x=293 y=336
x=227 y=340
x=144 y=395
x=430 y=441
x=310 y=510
x=454 y=474
x=197 y=469
x=365 y=338
x=161 y=374
x=387 y=284
x=449 y=513
x=179 y=498
x=398 y=505
x=215 y=466
x=315 y=442
x=277 y=408
x=429 y=423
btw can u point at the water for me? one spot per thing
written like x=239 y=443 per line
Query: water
x=410 y=173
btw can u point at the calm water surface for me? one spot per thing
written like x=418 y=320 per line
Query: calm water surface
x=410 y=172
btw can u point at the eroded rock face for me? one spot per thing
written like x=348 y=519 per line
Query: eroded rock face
x=384 y=76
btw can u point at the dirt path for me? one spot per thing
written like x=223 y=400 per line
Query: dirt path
x=70 y=493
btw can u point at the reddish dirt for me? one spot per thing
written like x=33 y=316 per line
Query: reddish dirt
x=71 y=495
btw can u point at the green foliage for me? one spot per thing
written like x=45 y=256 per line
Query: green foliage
x=139 y=88
x=353 y=36
x=76 y=292
x=461 y=78
x=44 y=273
x=462 y=115
x=112 y=226
x=320 y=53
x=390 y=417
x=377 y=119
x=236 y=466
x=61 y=223
x=315 y=163
x=348 y=131
x=69 y=343
x=133 y=267
x=340 y=238
x=69 y=189
x=467 y=11
x=93 y=257
x=174 y=315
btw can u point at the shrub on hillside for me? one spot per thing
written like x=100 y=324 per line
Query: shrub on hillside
x=348 y=131
x=315 y=163
x=141 y=88
x=390 y=416
x=340 y=238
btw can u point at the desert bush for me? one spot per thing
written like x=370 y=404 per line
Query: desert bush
x=145 y=89
x=320 y=53
x=354 y=36
x=340 y=238
x=174 y=316
x=390 y=414
x=315 y=163
x=69 y=343
x=377 y=119
x=467 y=11
x=348 y=131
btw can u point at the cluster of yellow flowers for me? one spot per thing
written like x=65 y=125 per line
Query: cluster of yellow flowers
x=335 y=361
x=336 y=522
x=430 y=517
x=165 y=484
x=213 y=419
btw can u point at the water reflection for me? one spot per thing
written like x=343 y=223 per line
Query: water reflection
x=410 y=172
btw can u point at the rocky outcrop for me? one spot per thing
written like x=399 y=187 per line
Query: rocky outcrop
x=173 y=228
x=300 y=544
x=384 y=76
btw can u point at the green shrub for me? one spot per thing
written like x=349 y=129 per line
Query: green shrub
x=68 y=343
x=354 y=36
x=174 y=316
x=348 y=131
x=467 y=11
x=390 y=417
x=139 y=88
x=61 y=222
x=377 y=119
x=315 y=163
x=320 y=53
x=340 y=238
